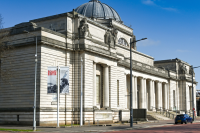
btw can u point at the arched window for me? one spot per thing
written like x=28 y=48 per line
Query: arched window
x=122 y=41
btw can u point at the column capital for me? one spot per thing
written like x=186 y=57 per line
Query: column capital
x=104 y=65
x=140 y=77
x=149 y=79
x=158 y=81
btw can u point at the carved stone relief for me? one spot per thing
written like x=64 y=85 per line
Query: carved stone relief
x=115 y=33
x=110 y=37
x=84 y=29
x=182 y=69
x=191 y=71
x=134 y=40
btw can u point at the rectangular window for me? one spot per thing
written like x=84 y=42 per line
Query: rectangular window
x=98 y=89
x=117 y=92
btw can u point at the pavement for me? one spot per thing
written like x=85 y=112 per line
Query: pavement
x=95 y=129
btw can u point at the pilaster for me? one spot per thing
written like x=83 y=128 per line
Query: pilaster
x=94 y=84
x=105 y=86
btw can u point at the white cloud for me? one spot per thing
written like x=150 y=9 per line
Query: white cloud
x=170 y=9
x=148 y=2
x=148 y=42
x=152 y=3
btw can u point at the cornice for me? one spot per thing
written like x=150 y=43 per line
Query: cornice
x=52 y=17
x=133 y=51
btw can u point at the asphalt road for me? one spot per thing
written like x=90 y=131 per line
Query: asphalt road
x=150 y=127
x=180 y=128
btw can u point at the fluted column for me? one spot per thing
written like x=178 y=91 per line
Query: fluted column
x=153 y=95
x=94 y=84
x=167 y=85
x=105 y=86
x=165 y=96
x=194 y=96
x=141 y=102
x=134 y=92
x=150 y=95
x=177 y=96
x=145 y=93
x=160 y=94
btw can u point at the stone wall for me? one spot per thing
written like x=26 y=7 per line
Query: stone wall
x=17 y=93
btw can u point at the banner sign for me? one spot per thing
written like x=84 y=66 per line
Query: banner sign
x=64 y=80
x=52 y=80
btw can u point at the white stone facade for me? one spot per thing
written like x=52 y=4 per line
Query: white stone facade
x=106 y=74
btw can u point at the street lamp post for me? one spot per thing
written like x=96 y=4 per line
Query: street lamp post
x=131 y=107
x=34 y=106
x=193 y=92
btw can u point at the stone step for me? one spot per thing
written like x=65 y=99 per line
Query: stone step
x=151 y=118
x=158 y=116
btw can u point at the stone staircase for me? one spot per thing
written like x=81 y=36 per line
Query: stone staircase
x=151 y=116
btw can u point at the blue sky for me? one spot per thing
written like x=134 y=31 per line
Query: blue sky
x=171 y=26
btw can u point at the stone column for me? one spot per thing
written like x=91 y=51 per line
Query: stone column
x=145 y=93
x=94 y=84
x=105 y=87
x=167 y=85
x=135 y=98
x=153 y=95
x=150 y=95
x=133 y=91
x=160 y=94
x=141 y=102
x=195 y=100
x=157 y=95
x=165 y=96
x=125 y=92
x=190 y=95
x=177 y=96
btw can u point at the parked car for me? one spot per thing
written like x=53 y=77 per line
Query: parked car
x=183 y=118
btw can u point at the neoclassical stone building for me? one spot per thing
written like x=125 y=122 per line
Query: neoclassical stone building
x=94 y=32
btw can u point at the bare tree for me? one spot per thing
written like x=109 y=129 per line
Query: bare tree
x=1 y=22
x=5 y=52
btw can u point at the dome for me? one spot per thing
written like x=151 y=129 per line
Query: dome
x=96 y=9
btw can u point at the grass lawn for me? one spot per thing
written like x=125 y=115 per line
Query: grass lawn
x=72 y=125
x=17 y=130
